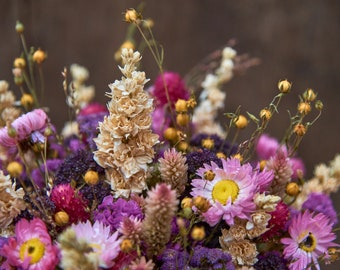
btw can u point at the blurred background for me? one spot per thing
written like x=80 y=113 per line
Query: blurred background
x=297 y=40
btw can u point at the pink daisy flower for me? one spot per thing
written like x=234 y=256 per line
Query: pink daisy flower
x=105 y=246
x=24 y=126
x=231 y=191
x=31 y=248
x=310 y=237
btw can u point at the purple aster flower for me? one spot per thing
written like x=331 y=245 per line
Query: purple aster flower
x=310 y=237
x=272 y=260
x=112 y=213
x=175 y=87
x=211 y=258
x=321 y=203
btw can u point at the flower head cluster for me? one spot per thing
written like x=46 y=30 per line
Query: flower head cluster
x=125 y=142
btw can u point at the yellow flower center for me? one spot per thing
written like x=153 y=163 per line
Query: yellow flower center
x=308 y=244
x=33 y=248
x=225 y=189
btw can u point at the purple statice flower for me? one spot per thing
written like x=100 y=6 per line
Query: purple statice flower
x=38 y=174
x=88 y=120
x=75 y=166
x=112 y=212
x=211 y=258
x=271 y=260
x=321 y=203
x=220 y=145
x=174 y=259
x=175 y=87
x=96 y=192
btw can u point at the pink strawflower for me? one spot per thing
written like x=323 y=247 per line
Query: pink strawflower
x=24 y=126
x=142 y=264
x=67 y=199
x=31 y=248
x=106 y=246
x=310 y=237
x=175 y=87
x=231 y=191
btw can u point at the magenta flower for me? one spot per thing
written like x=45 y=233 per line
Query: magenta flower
x=31 y=248
x=310 y=237
x=26 y=125
x=231 y=191
x=174 y=85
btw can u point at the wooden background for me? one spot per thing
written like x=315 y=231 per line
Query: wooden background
x=297 y=40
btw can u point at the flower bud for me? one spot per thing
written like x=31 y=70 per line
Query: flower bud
x=126 y=245
x=292 y=189
x=148 y=23
x=19 y=63
x=265 y=114
x=309 y=95
x=209 y=175
x=11 y=131
x=186 y=202
x=208 y=143
x=238 y=156
x=127 y=45
x=14 y=169
x=131 y=16
x=191 y=103
x=240 y=122
x=61 y=218
x=284 y=86
x=304 y=107
x=187 y=212
x=262 y=164
x=19 y=80
x=318 y=105
x=26 y=100
x=48 y=131
x=197 y=233
x=182 y=119
x=300 y=129
x=39 y=56
x=19 y=27
x=171 y=134
x=180 y=223
x=181 y=106
x=91 y=177
x=201 y=203
x=221 y=155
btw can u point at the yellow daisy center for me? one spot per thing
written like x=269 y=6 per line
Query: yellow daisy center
x=225 y=189
x=33 y=248
x=308 y=244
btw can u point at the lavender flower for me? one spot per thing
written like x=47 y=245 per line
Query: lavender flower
x=271 y=260
x=174 y=259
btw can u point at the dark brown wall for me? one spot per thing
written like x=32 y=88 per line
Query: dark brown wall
x=298 y=40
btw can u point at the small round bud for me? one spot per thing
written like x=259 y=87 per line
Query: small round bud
x=91 y=177
x=131 y=16
x=240 y=122
x=309 y=95
x=304 y=107
x=300 y=129
x=318 y=105
x=171 y=134
x=127 y=45
x=191 y=103
x=208 y=143
x=238 y=156
x=38 y=147
x=265 y=114
x=209 y=175
x=39 y=56
x=284 y=86
x=11 y=131
x=197 y=233
x=14 y=169
x=186 y=202
x=180 y=223
x=182 y=146
x=126 y=245
x=182 y=119
x=19 y=27
x=61 y=218
x=27 y=100
x=181 y=106
x=19 y=80
x=292 y=189
x=221 y=155
x=187 y=212
x=201 y=203
x=148 y=23
x=48 y=131
x=19 y=63
x=263 y=164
